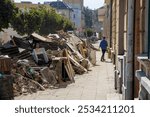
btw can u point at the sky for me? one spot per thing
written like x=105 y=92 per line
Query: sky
x=92 y=4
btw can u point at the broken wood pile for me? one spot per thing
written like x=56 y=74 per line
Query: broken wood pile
x=46 y=62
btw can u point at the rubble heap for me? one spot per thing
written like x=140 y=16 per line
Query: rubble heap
x=47 y=62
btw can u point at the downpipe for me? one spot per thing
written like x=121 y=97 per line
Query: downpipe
x=118 y=81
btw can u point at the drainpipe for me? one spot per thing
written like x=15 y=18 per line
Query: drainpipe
x=130 y=46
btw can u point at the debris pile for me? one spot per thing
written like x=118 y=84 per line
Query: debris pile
x=45 y=62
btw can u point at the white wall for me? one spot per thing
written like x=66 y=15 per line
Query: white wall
x=77 y=18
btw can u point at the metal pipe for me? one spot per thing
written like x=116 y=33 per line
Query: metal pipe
x=117 y=71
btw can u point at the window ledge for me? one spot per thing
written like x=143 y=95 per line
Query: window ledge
x=145 y=82
x=143 y=60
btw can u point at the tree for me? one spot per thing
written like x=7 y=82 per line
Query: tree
x=41 y=20
x=50 y=21
x=53 y=22
x=88 y=17
x=88 y=32
x=27 y=22
x=7 y=12
x=67 y=25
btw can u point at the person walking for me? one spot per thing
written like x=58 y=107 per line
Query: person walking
x=103 y=45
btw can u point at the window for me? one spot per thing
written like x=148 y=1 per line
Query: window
x=74 y=16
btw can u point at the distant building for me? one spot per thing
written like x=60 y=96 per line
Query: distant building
x=96 y=25
x=28 y=5
x=101 y=14
x=78 y=16
x=62 y=8
x=78 y=4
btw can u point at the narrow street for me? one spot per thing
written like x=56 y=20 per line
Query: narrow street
x=74 y=57
x=97 y=84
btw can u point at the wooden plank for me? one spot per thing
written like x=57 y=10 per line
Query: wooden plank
x=5 y=65
x=81 y=50
x=59 y=58
x=71 y=69
x=77 y=64
x=76 y=53
x=85 y=63
x=68 y=67
x=71 y=77
x=93 y=56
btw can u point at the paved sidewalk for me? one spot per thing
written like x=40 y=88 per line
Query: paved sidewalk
x=97 y=84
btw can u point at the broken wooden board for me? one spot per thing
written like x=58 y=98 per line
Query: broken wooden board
x=59 y=58
x=68 y=66
x=81 y=49
x=74 y=40
x=79 y=68
x=57 y=66
x=93 y=56
x=75 y=52
x=85 y=63
x=5 y=65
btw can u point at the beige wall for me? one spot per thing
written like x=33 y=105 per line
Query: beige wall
x=107 y=1
x=113 y=24
x=65 y=13
x=75 y=2
x=101 y=14
x=101 y=18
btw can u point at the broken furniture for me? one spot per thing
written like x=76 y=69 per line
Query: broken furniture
x=40 y=56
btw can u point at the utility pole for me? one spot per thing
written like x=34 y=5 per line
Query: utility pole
x=130 y=46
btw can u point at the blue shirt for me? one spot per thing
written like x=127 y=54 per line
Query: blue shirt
x=103 y=44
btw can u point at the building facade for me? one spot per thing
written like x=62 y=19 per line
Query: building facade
x=28 y=5
x=102 y=12
x=63 y=9
x=96 y=24
x=78 y=16
x=129 y=39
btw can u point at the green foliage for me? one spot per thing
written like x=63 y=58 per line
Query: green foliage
x=67 y=25
x=7 y=12
x=88 y=17
x=41 y=20
x=49 y=23
x=88 y=32
x=27 y=22
x=100 y=35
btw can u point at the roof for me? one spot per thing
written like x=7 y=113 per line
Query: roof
x=40 y=38
x=60 y=5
